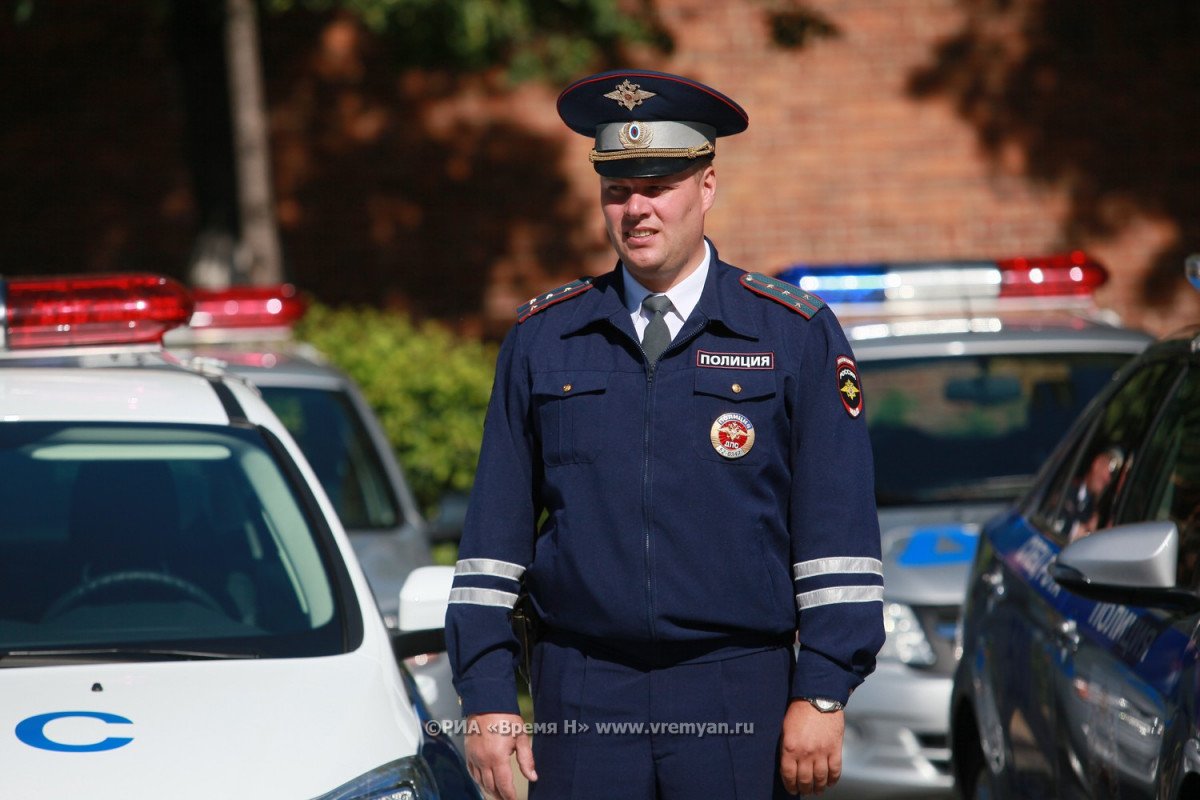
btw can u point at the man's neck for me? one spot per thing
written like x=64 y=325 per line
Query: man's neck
x=661 y=284
x=684 y=293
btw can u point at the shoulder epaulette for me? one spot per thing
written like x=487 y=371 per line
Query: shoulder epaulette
x=800 y=301
x=547 y=299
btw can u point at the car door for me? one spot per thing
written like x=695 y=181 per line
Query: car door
x=1130 y=663
x=1032 y=627
x=1013 y=658
x=1091 y=702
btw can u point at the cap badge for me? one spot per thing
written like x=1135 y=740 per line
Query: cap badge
x=635 y=135
x=849 y=386
x=732 y=435
x=629 y=94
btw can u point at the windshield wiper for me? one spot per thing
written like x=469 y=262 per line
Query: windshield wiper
x=123 y=654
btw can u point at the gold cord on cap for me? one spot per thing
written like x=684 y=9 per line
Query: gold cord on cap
x=706 y=149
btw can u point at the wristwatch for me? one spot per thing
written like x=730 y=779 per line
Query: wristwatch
x=824 y=704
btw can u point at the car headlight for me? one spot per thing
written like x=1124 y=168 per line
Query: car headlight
x=906 y=641
x=403 y=779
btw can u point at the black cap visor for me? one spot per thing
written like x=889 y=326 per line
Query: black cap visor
x=647 y=167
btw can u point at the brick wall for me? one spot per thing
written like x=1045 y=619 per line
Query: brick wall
x=841 y=163
x=460 y=198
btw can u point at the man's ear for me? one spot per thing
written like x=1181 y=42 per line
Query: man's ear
x=708 y=186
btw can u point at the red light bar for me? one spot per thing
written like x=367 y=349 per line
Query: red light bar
x=247 y=307
x=72 y=310
x=1070 y=275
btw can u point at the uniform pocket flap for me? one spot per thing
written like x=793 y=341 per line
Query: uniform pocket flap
x=735 y=385
x=568 y=384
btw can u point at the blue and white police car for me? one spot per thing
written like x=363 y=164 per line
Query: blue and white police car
x=1080 y=670
x=181 y=611
x=971 y=373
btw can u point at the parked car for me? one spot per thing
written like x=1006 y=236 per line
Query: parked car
x=181 y=609
x=971 y=373
x=246 y=331
x=1079 y=674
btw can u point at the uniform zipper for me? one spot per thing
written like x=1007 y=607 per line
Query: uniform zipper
x=646 y=415
x=646 y=428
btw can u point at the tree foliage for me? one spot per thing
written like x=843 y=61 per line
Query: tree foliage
x=532 y=39
x=428 y=387
x=793 y=24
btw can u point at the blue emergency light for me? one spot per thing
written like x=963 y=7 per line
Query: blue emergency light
x=1061 y=277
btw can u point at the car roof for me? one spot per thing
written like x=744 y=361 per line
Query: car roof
x=140 y=384
x=269 y=363
x=904 y=337
x=147 y=389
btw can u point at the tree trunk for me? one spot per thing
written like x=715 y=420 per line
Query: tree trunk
x=198 y=42
x=260 y=262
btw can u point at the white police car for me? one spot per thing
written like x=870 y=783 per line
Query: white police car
x=971 y=373
x=1081 y=666
x=181 y=611
x=247 y=331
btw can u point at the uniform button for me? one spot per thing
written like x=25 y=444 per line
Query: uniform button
x=737 y=387
x=566 y=387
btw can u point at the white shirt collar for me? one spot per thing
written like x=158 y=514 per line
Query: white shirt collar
x=683 y=296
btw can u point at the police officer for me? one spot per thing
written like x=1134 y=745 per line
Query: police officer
x=676 y=473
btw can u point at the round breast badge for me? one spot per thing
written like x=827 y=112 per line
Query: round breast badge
x=732 y=435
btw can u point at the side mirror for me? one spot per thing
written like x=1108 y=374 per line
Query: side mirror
x=422 y=621
x=1130 y=564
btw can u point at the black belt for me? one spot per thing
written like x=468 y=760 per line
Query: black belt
x=649 y=654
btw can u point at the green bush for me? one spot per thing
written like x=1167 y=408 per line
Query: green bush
x=429 y=387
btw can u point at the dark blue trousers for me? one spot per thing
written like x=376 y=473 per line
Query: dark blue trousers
x=607 y=728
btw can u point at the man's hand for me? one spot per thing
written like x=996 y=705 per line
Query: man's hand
x=811 y=758
x=490 y=742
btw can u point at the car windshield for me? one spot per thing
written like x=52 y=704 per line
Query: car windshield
x=338 y=446
x=973 y=428
x=157 y=538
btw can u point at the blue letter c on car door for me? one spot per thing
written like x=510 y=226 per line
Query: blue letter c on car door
x=31 y=731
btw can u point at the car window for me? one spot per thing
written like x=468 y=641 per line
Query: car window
x=973 y=428
x=1080 y=497
x=339 y=448
x=1166 y=486
x=185 y=537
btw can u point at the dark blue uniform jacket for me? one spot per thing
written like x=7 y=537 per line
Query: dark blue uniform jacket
x=603 y=488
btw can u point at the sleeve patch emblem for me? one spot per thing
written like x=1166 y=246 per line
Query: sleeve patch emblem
x=849 y=386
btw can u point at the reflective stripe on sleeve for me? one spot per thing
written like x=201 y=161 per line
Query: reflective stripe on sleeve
x=839 y=594
x=483 y=597
x=488 y=566
x=835 y=566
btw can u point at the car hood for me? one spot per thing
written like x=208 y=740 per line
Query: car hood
x=285 y=728
x=927 y=552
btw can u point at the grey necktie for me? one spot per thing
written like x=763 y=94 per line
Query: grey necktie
x=657 y=335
